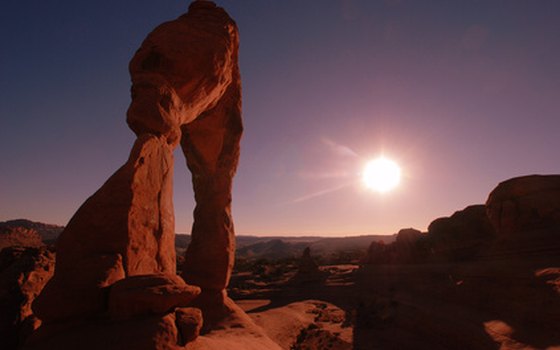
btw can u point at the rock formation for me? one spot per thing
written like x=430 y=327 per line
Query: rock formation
x=403 y=250
x=460 y=236
x=19 y=236
x=23 y=274
x=526 y=202
x=308 y=270
x=497 y=263
x=115 y=268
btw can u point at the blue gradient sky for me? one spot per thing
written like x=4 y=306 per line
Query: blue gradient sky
x=463 y=94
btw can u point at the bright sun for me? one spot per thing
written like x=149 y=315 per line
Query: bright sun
x=381 y=175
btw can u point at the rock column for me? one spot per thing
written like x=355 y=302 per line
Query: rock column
x=116 y=257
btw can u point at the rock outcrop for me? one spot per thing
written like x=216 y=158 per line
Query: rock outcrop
x=116 y=264
x=460 y=236
x=19 y=236
x=23 y=274
x=402 y=251
x=308 y=270
x=527 y=202
x=497 y=263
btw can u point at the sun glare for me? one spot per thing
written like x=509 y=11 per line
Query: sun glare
x=381 y=175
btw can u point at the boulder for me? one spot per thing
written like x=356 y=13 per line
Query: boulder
x=189 y=323
x=149 y=294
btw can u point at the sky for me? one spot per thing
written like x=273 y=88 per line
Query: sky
x=462 y=94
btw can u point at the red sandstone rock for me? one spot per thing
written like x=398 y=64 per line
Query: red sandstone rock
x=143 y=333
x=131 y=215
x=185 y=81
x=186 y=75
x=524 y=203
x=211 y=145
x=181 y=70
x=149 y=294
x=189 y=322
x=125 y=228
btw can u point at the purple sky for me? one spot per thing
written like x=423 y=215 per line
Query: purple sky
x=462 y=94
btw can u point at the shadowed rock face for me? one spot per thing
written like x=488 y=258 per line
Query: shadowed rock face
x=526 y=202
x=23 y=273
x=185 y=88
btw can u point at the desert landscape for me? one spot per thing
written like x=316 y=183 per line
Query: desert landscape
x=122 y=274
x=486 y=277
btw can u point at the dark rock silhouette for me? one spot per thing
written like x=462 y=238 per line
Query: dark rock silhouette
x=116 y=264
x=403 y=250
x=23 y=273
x=462 y=236
x=525 y=202
x=498 y=271
x=307 y=265
x=308 y=270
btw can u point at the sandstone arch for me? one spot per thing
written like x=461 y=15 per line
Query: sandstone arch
x=185 y=89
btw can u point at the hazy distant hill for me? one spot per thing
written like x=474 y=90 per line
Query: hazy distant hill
x=48 y=232
x=279 y=247
x=248 y=247
x=271 y=249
